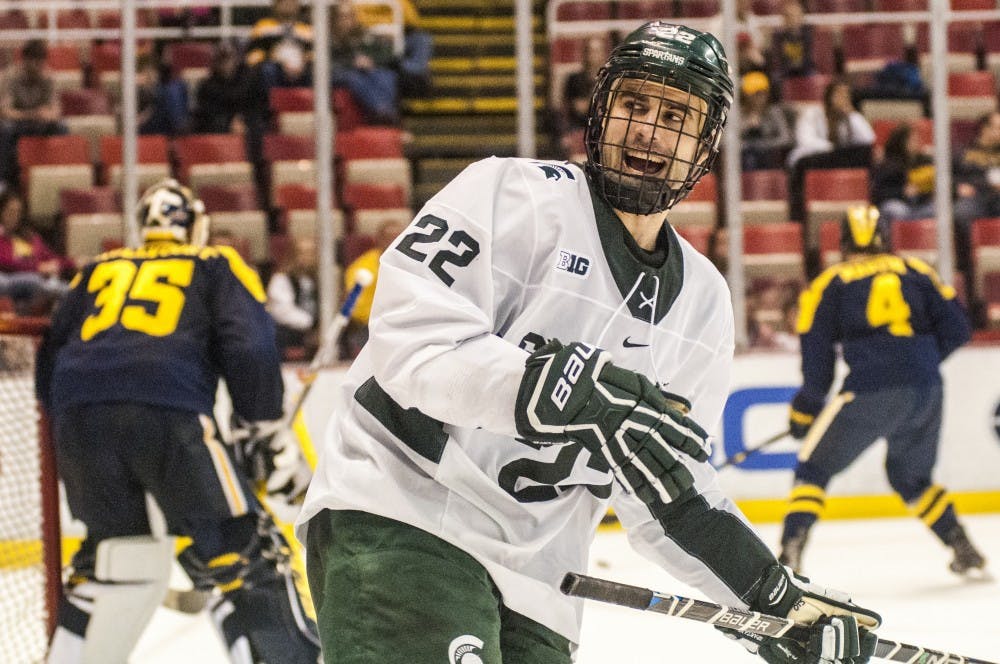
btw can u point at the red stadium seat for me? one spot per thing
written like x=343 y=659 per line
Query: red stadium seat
x=646 y=9
x=363 y=196
x=346 y=110
x=899 y=5
x=700 y=208
x=767 y=7
x=291 y=158
x=971 y=94
x=370 y=143
x=373 y=154
x=991 y=298
x=774 y=251
x=212 y=159
x=152 y=157
x=90 y=217
x=829 y=243
x=293 y=110
x=67 y=19
x=985 y=250
x=584 y=11
x=798 y=90
x=90 y=200
x=297 y=203
x=828 y=193
x=698 y=8
x=838 y=6
x=765 y=196
x=916 y=237
x=85 y=101
x=825 y=49
x=868 y=47
x=236 y=214
x=87 y=112
x=14 y=19
x=229 y=197
x=699 y=237
x=48 y=165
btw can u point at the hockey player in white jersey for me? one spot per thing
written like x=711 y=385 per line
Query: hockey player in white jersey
x=543 y=346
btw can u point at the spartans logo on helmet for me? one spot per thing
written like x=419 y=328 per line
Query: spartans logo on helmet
x=170 y=211
x=863 y=231
x=656 y=116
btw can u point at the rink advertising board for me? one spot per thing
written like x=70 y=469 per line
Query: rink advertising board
x=757 y=408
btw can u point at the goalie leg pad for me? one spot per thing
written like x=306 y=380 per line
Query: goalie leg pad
x=103 y=618
x=258 y=613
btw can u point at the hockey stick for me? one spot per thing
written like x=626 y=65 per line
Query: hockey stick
x=325 y=353
x=751 y=622
x=740 y=457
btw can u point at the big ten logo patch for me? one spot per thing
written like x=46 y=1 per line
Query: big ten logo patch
x=575 y=264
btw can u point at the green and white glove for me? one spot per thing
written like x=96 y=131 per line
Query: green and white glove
x=839 y=629
x=574 y=393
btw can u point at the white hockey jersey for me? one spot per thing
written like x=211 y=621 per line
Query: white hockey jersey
x=513 y=252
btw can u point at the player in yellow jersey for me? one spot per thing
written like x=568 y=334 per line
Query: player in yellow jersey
x=128 y=375
x=895 y=322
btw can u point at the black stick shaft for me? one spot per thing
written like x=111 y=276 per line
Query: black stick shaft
x=740 y=457
x=643 y=599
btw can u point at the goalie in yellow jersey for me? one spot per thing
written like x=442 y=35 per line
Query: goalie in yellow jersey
x=896 y=322
x=128 y=375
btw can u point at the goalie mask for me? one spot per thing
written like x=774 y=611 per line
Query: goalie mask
x=863 y=231
x=656 y=117
x=170 y=211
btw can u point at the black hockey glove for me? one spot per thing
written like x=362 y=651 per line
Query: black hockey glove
x=270 y=457
x=839 y=630
x=801 y=415
x=574 y=393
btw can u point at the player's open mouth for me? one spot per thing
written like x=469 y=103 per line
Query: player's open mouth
x=646 y=166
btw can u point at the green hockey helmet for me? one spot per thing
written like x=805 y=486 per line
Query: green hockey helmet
x=656 y=116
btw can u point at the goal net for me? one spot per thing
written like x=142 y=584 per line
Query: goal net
x=29 y=536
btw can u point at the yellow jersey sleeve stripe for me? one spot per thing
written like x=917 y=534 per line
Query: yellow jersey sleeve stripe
x=246 y=274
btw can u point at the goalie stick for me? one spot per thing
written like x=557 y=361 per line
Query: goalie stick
x=740 y=457
x=751 y=622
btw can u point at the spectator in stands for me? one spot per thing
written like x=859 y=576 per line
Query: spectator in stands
x=766 y=132
x=162 y=98
x=280 y=47
x=292 y=298
x=571 y=115
x=362 y=62
x=28 y=106
x=356 y=334
x=835 y=124
x=30 y=272
x=226 y=101
x=791 y=51
x=831 y=135
x=772 y=313
x=414 y=65
x=902 y=183
x=977 y=185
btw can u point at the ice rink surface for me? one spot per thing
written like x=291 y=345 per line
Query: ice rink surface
x=893 y=566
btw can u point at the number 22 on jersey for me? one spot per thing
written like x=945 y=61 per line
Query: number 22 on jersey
x=117 y=282
x=887 y=306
